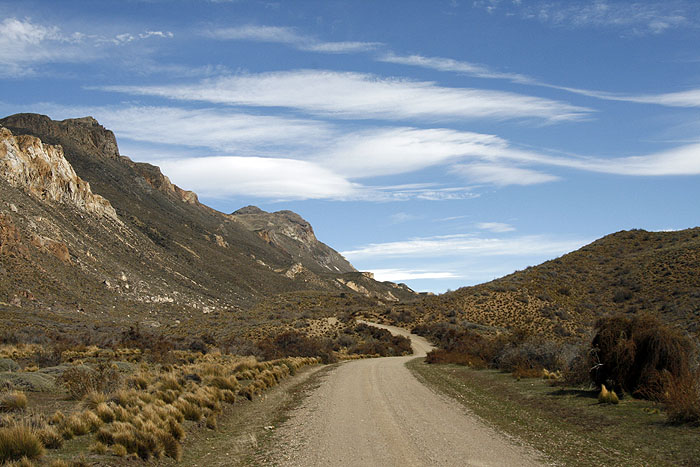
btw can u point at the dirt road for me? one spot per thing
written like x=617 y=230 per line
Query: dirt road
x=375 y=413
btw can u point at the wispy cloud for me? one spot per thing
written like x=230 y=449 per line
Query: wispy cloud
x=455 y=245
x=215 y=129
x=634 y=18
x=684 y=160
x=688 y=98
x=24 y=45
x=401 y=217
x=457 y=66
x=285 y=179
x=361 y=96
x=388 y=151
x=221 y=177
x=501 y=174
x=496 y=227
x=289 y=36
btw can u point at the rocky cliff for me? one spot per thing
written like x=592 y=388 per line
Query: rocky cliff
x=41 y=170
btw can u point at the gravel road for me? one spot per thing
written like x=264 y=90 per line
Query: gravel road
x=375 y=413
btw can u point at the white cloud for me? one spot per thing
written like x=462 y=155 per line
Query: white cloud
x=633 y=18
x=688 y=98
x=289 y=36
x=388 y=151
x=463 y=244
x=220 y=177
x=501 y=174
x=684 y=160
x=231 y=132
x=24 y=45
x=496 y=227
x=457 y=66
x=361 y=96
x=284 y=179
x=400 y=275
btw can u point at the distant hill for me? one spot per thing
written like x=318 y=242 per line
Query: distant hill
x=87 y=235
x=629 y=271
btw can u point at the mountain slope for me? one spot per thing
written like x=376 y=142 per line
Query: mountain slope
x=99 y=234
x=629 y=271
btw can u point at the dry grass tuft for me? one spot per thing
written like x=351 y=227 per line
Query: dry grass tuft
x=607 y=396
x=50 y=437
x=17 y=442
x=92 y=399
x=682 y=399
x=119 y=450
x=13 y=401
x=98 y=448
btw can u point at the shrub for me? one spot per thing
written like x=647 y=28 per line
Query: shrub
x=98 y=448
x=682 y=398
x=189 y=410
x=211 y=421
x=456 y=357
x=50 y=437
x=634 y=353
x=80 y=381
x=15 y=400
x=92 y=399
x=17 y=442
x=105 y=413
x=119 y=450
x=295 y=344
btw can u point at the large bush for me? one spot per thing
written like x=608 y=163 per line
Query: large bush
x=639 y=355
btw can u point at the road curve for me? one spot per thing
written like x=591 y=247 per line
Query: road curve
x=373 y=412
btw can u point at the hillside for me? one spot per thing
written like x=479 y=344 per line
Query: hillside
x=629 y=271
x=89 y=237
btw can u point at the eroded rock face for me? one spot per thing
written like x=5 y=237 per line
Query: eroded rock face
x=154 y=177
x=42 y=170
x=289 y=232
x=85 y=133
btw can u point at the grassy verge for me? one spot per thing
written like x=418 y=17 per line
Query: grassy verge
x=567 y=425
x=241 y=437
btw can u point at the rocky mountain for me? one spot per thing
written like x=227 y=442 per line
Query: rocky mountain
x=287 y=231
x=86 y=230
x=629 y=272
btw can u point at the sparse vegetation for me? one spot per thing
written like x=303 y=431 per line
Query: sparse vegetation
x=567 y=424
x=143 y=410
x=17 y=442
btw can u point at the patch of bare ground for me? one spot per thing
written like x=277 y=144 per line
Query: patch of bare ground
x=568 y=425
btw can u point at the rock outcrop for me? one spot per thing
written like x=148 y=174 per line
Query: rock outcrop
x=289 y=232
x=42 y=170
x=154 y=177
x=84 y=133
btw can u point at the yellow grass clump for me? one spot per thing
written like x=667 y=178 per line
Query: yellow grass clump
x=12 y=401
x=607 y=397
x=19 y=441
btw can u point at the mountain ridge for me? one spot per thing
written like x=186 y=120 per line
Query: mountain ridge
x=631 y=271
x=165 y=254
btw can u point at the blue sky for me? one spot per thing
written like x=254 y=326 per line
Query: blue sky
x=436 y=143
